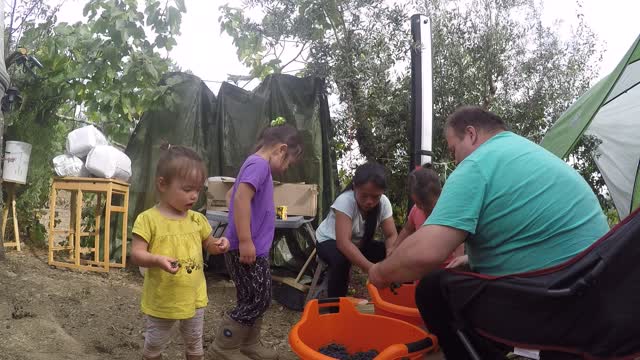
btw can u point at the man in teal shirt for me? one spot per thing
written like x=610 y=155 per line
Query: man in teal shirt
x=516 y=206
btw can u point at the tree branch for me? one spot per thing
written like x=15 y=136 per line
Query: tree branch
x=281 y=52
x=292 y=60
x=333 y=26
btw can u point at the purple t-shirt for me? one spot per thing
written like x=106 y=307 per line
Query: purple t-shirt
x=257 y=173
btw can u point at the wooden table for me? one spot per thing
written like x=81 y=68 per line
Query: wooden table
x=103 y=188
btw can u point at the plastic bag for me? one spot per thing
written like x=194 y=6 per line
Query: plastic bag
x=108 y=162
x=67 y=165
x=81 y=141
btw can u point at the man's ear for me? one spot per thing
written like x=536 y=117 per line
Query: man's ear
x=473 y=133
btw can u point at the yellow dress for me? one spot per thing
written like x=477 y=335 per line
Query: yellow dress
x=174 y=296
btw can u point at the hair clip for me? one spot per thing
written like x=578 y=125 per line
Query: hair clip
x=279 y=121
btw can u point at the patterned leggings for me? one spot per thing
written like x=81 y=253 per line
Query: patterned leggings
x=253 y=287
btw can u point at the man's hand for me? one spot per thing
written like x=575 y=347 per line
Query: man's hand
x=247 y=252
x=167 y=264
x=459 y=261
x=376 y=278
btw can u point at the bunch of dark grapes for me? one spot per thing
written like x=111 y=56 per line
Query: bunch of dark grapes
x=338 y=351
x=189 y=265
x=364 y=355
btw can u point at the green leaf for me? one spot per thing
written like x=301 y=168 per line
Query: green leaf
x=120 y=24
x=151 y=70
x=171 y=42
x=161 y=41
x=181 y=6
x=173 y=19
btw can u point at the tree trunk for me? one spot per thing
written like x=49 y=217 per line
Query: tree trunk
x=3 y=72
x=364 y=136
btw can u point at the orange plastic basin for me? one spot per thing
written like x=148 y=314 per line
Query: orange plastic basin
x=401 y=306
x=392 y=338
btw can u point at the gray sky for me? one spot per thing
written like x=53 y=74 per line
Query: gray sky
x=211 y=55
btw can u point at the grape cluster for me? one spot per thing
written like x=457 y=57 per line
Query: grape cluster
x=338 y=351
x=189 y=264
x=394 y=288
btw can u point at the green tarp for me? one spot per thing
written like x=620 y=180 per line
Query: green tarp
x=189 y=121
x=224 y=131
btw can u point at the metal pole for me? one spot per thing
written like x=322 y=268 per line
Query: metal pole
x=421 y=129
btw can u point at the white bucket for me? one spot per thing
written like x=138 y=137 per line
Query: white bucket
x=16 y=162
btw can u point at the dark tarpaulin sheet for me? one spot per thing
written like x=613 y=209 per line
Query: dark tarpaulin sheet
x=188 y=122
x=225 y=129
x=186 y=119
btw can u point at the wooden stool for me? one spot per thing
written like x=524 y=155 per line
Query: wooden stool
x=102 y=187
x=314 y=290
x=11 y=199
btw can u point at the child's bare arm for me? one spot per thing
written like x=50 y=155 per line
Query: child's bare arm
x=407 y=230
x=242 y=220
x=216 y=246
x=141 y=256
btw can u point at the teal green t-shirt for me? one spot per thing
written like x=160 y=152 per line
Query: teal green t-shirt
x=524 y=208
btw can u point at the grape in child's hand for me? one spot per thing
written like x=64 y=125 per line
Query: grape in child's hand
x=167 y=264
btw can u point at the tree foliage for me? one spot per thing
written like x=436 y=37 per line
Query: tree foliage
x=107 y=65
x=494 y=53
x=104 y=70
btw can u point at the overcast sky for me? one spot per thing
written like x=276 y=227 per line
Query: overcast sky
x=211 y=55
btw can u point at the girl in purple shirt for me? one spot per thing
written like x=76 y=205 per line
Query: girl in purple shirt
x=250 y=233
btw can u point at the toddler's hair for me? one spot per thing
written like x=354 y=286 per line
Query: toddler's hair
x=424 y=183
x=178 y=161
x=282 y=134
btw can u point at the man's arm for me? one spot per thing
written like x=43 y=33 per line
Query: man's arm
x=418 y=255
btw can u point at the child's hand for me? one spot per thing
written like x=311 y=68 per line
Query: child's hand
x=247 y=252
x=167 y=264
x=223 y=245
x=218 y=246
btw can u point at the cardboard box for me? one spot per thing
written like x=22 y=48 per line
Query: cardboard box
x=217 y=188
x=300 y=199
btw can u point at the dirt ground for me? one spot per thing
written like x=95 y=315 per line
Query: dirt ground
x=58 y=314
